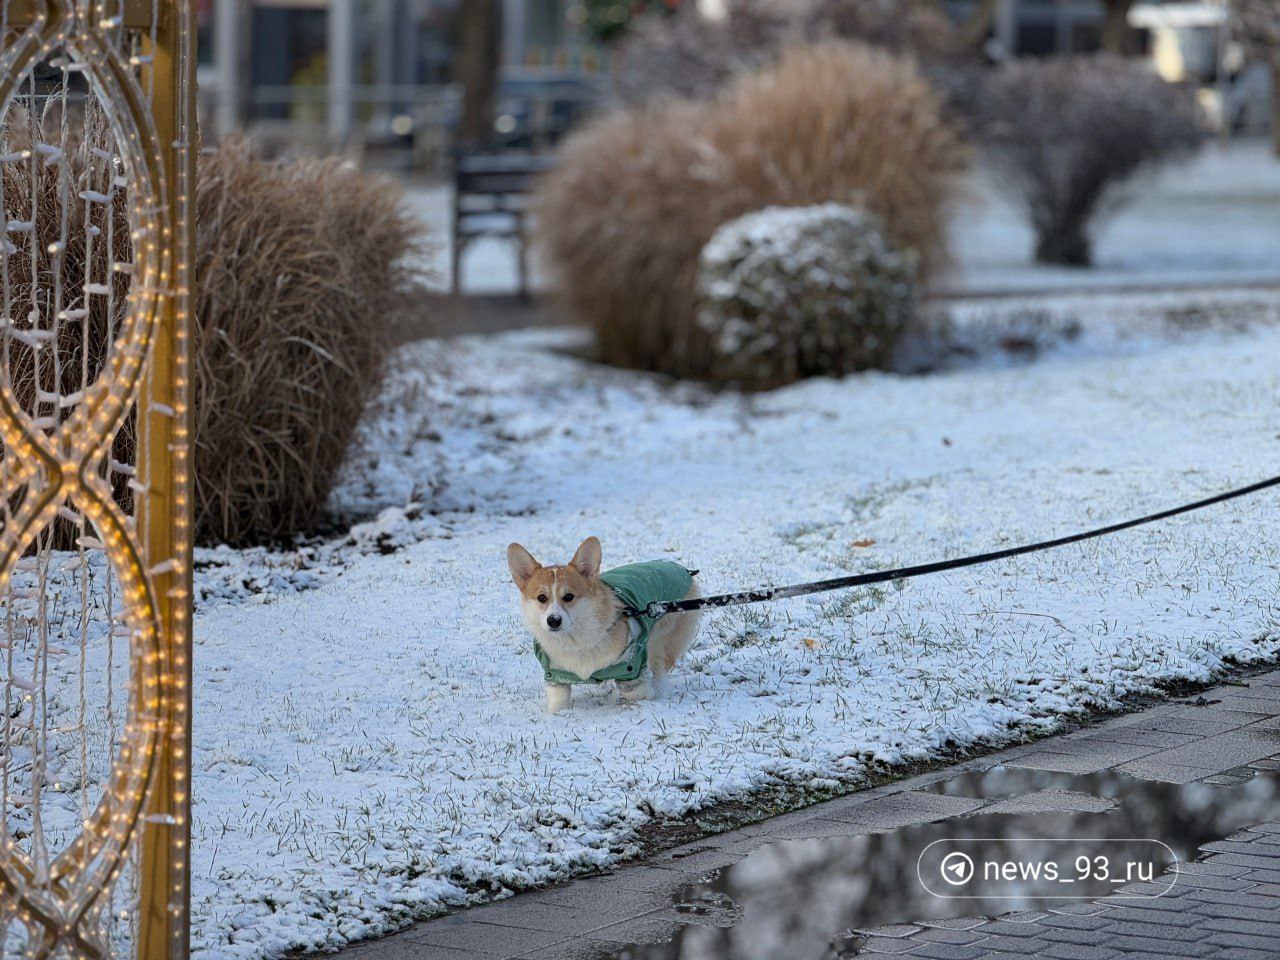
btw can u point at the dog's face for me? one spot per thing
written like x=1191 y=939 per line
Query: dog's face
x=563 y=604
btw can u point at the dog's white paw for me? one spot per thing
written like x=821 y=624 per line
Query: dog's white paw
x=559 y=697
x=634 y=690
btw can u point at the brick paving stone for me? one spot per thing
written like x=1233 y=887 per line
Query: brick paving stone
x=1192 y=725
x=1262 y=701
x=943 y=935
x=647 y=879
x=892 y=930
x=1269 y=827
x=1240 y=898
x=1082 y=909
x=1261 y=876
x=591 y=900
x=1149 y=768
x=649 y=928
x=787 y=826
x=1167 y=948
x=1056 y=935
x=1145 y=891
x=1097 y=749
x=482 y=940
x=1156 y=931
x=1143 y=737
x=702 y=862
x=1064 y=951
x=1007 y=929
x=1235 y=715
x=1234 y=925
x=1265 y=914
x=881 y=947
x=1155 y=896
x=911 y=807
x=1208 y=868
x=398 y=948
x=1266 y=839
x=957 y=923
x=1076 y=922
x=1248 y=940
x=1223 y=752
x=1257 y=861
x=578 y=949
x=945 y=951
x=1025 y=916
x=1022 y=946
x=1179 y=914
x=529 y=914
x=820 y=828
x=1060 y=762
x=1192 y=881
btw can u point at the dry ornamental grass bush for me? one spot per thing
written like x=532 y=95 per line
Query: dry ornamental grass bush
x=1070 y=131
x=625 y=214
x=303 y=268
x=793 y=292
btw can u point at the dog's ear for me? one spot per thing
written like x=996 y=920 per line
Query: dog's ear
x=587 y=560
x=522 y=565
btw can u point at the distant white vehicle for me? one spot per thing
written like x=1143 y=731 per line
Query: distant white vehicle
x=1190 y=43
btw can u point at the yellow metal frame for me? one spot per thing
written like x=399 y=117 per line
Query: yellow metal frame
x=164 y=873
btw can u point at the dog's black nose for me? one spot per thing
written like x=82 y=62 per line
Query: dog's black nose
x=554 y=620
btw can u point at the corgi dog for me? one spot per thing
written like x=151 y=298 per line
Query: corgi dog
x=580 y=626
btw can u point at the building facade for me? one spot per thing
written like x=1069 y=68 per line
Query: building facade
x=331 y=70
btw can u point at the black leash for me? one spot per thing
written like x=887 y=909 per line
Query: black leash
x=905 y=573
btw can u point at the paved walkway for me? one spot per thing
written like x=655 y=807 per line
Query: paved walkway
x=1225 y=906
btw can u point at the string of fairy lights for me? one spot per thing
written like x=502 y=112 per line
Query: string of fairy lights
x=93 y=342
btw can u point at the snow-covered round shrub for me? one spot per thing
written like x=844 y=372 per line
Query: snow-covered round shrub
x=791 y=292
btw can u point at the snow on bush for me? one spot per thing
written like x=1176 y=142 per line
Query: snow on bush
x=793 y=292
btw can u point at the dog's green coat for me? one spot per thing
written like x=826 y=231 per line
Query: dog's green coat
x=637 y=585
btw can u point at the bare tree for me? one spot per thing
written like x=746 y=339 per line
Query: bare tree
x=1257 y=23
x=1069 y=131
x=476 y=68
x=1115 y=27
x=688 y=55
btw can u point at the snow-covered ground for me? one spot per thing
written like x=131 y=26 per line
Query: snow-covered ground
x=1215 y=219
x=371 y=743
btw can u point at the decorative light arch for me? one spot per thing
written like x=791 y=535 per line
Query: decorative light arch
x=133 y=60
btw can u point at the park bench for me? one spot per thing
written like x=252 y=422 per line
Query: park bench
x=491 y=199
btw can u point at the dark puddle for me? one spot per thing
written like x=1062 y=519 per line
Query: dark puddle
x=804 y=899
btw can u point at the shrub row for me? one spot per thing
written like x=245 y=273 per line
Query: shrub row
x=634 y=199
